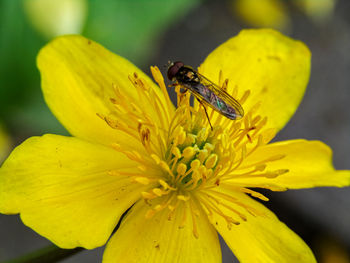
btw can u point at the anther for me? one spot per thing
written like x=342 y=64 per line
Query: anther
x=165 y=185
x=159 y=191
x=166 y=167
x=146 y=195
x=209 y=147
x=202 y=155
x=155 y=158
x=211 y=161
x=176 y=152
x=142 y=180
x=202 y=135
x=190 y=139
x=183 y=198
x=181 y=169
x=142 y=168
x=189 y=152
x=195 y=164
x=179 y=135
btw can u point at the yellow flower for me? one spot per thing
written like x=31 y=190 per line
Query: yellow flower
x=183 y=182
x=274 y=13
x=262 y=13
x=52 y=18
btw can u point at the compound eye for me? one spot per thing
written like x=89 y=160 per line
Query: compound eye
x=174 y=69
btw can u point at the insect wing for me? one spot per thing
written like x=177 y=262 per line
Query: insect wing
x=223 y=95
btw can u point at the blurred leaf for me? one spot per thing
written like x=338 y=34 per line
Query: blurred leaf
x=20 y=91
x=132 y=28
x=18 y=48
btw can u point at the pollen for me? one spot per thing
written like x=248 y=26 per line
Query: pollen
x=182 y=162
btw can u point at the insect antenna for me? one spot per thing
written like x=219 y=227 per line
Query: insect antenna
x=167 y=65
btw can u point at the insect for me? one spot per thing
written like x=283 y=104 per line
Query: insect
x=206 y=92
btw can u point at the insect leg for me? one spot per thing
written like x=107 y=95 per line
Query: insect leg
x=206 y=113
x=182 y=89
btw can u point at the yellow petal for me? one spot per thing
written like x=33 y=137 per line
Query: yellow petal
x=77 y=75
x=263 y=13
x=309 y=164
x=159 y=239
x=62 y=189
x=275 y=68
x=262 y=238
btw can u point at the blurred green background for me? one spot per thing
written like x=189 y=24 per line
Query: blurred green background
x=130 y=28
x=151 y=32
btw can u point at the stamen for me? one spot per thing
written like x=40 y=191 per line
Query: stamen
x=229 y=198
x=181 y=162
x=165 y=185
x=158 y=77
x=142 y=180
x=224 y=85
x=252 y=193
x=202 y=155
x=184 y=216
x=211 y=161
x=273 y=158
x=244 y=97
x=242 y=216
x=189 y=152
x=212 y=207
x=194 y=213
x=181 y=169
x=183 y=198
x=221 y=78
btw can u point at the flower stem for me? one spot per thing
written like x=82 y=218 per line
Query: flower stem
x=49 y=254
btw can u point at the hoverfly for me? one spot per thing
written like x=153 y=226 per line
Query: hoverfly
x=206 y=92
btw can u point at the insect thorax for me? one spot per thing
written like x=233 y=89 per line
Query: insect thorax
x=186 y=75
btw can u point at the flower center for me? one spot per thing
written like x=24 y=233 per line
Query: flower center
x=191 y=153
x=180 y=159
